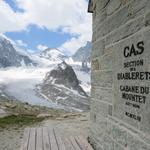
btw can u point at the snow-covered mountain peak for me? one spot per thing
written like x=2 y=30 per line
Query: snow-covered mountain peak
x=10 y=57
x=53 y=54
x=2 y=38
x=4 y=41
x=83 y=54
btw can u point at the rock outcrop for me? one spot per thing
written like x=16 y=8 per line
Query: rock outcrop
x=83 y=54
x=9 y=57
x=62 y=86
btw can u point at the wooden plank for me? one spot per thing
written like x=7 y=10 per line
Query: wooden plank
x=50 y=139
x=25 y=140
x=46 y=140
x=68 y=144
x=39 y=139
x=32 y=142
x=83 y=143
x=74 y=143
x=58 y=137
x=53 y=142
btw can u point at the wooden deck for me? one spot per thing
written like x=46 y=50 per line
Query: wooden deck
x=50 y=139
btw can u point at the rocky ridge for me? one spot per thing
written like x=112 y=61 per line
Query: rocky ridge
x=83 y=54
x=62 y=86
x=10 y=57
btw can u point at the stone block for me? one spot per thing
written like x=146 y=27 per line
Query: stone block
x=95 y=64
x=102 y=94
x=108 y=143
x=113 y=6
x=102 y=78
x=125 y=30
x=94 y=142
x=118 y=147
x=112 y=22
x=93 y=116
x=100 y=17
x=130 y=11
x=135 y=144
x=100 y=108
x=125 y=2
x=106 y=62
x=98 y=48
x=147 y=19
x=101 y=4
x=119 y=135
x=97 y=134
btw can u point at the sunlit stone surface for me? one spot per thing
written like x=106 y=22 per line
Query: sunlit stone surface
x=120 y=102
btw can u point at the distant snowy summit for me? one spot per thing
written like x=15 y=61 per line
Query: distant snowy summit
x=83 y=54
x=53 y=54
x=10 y=57
x=62 y=86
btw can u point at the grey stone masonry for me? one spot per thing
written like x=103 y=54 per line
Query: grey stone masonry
x=120 y=93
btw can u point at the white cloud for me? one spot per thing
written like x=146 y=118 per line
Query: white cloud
x=53 y=14
x=72 y=45
x=42 y=47
x=68 y=15
x=75 y=43
x=31 y=51
x=20 y=43
x=11 y=21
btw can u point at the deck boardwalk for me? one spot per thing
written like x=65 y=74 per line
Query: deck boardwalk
x=50 y=139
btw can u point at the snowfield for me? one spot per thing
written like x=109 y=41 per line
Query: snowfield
x=21 y=83
x=85 y=80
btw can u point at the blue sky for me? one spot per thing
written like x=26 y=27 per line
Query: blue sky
x=13 y=5
x=37 y=24
x=36 y=35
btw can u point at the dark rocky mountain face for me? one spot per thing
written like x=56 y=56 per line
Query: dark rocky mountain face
x=62 y=86
x=83 y=54
x=85 y=67
x=10 y=57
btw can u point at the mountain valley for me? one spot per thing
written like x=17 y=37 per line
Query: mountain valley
x=30 y=77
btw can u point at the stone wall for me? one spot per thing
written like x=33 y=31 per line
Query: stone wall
x=121 y=40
